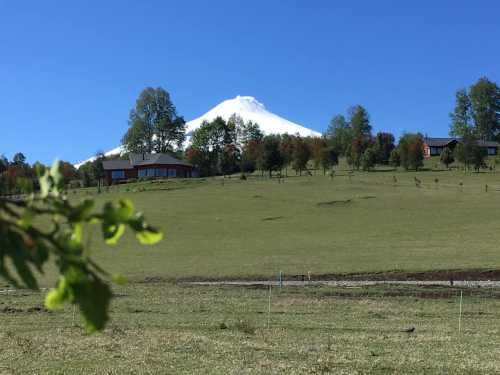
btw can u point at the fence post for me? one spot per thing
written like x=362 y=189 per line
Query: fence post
x=460 y=314
x=269 y=308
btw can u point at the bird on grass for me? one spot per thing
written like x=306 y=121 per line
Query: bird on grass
x=409 y=330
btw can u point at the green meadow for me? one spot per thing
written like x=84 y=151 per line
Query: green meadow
x=227 y=228
x=161 y=328
x=364 y=222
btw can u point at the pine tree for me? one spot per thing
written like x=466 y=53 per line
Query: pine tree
x=359 y=121
x=461 y=118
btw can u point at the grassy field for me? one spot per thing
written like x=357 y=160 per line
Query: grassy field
x=229 y=228
x=160 y=328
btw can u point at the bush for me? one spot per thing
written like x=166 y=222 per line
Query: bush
x=368 y=159
x=447 y=157
x=395 y=158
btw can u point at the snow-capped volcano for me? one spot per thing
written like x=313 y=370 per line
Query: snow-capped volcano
x=249 y=109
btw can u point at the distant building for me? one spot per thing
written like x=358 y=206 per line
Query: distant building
x=146 y=165
x=434 y=146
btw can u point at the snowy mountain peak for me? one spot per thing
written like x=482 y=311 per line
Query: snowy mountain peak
x=250 y=109
x=247 y=103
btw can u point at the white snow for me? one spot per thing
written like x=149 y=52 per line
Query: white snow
x=249 y=109
x=116 y=151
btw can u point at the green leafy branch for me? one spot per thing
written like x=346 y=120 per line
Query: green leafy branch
x=27 y=243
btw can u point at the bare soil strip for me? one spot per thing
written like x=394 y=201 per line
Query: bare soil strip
x=440 y=277
x=353 y=283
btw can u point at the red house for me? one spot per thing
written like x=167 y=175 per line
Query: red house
x=145 y=165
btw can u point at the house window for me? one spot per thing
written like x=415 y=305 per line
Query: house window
x=492 y=150
x=116 y=175
x=161 y=172
x=142 y=172
x=172 y=173
x=435 y=150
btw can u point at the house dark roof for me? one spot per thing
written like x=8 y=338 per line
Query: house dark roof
x=439 y=142
x=443 y=142
x=142 y=160
x=148 y=159
x=116 y=164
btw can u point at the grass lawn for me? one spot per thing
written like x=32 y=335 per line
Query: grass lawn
x=366 y=222
x=163 y=328
x=228 y=228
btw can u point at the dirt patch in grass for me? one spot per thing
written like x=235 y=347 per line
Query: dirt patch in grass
x=335 y=203
x=30 y=310
x=272 y=218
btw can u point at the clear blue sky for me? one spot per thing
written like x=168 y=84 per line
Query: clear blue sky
x=70 y=71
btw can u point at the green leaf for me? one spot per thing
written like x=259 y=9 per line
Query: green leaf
x=45 y=184
x=21 y=257
x=81 y=212
x=117 y=213
x=40 y=169
x=93 y=297
x=125 y=210
x=41 y=255
x=137 y=222
x=57 y=297
x=26 y=218
x=56 y=176
x=5 y=273
x=77 y=234
x=112 y=233
x=149 y=236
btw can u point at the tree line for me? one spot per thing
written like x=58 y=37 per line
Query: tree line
x=19 y=177
x=221 y=147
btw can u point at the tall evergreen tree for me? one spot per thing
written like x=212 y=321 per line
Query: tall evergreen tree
x=359 y=121
x=383 y=146
x=339 y=134
x=19 y=159
x=4 y=163
x=461 y=118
